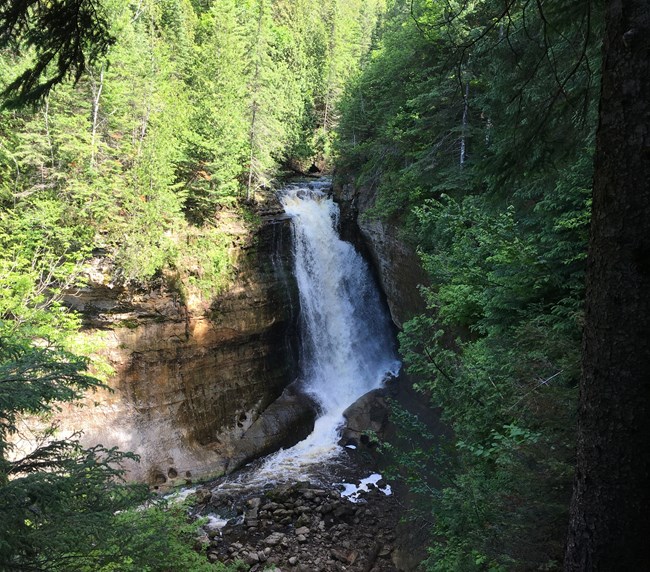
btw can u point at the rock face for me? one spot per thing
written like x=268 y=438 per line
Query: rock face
x=192 y=377
x=288 y=420
x=397 y=264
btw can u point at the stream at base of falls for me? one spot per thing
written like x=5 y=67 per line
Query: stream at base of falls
x=312 y=505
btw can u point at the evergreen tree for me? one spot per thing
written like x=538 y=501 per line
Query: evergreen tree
x=610 y=498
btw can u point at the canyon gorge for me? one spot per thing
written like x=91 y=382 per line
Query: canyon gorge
x=201 y=387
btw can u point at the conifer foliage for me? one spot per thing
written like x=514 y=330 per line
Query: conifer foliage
x=147 y=119
x=65 y=36
x=472 y=131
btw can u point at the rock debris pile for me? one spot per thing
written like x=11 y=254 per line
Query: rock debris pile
x=302 y=528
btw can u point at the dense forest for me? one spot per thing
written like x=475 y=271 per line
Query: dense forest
x=472 y=124
x=476 y=132
x=198 y=106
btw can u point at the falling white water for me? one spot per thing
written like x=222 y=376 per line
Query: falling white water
x=347 y=348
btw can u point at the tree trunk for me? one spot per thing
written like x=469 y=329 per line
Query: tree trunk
x=97 y=93
x=610 y=506
x=255 y=88
x=463 y=142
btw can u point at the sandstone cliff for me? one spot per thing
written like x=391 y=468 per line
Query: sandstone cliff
x=191 y=376
x=396 y=263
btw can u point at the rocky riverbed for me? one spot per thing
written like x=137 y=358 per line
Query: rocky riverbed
x=301 y=527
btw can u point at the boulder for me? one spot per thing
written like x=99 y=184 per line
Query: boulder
x=368 y=414
x=288 y=420
x=274 y=539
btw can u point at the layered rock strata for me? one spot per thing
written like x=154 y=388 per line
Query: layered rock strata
x=191 y=377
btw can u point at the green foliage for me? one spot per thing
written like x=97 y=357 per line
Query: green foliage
x=144 y=159
x=40 y=255
x=64 y=37
x=61 y=506
x=199 y=107
x=33 y=378
x=417 y=458
x=58 y=506
x=207 y=260
x=160 y=538
x=471 y=128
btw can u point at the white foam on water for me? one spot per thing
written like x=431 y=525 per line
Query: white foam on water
x=353 y=492
x=180 y=495
x=215 y=522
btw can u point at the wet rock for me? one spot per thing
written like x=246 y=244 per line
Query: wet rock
x=213 y=557
x=303 y=520
x=320 y=546
x=343 y=510
x=203 y=496
x=398 y=264
x=367 y=414
x=326 y=508
x=254 y=503
x=345 y=557
x=252 y=512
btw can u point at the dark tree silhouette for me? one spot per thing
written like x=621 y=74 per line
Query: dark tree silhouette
x=610 y=505
x=65 y=35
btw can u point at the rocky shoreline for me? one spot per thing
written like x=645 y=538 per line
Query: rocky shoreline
x=304 y=528
x=301 y=527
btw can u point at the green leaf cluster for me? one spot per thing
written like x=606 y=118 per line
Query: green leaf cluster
x=64 y=36
x=63 y=507
x=196 y=109
x=151 y=159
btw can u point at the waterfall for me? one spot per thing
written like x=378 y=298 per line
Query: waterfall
x=347 y=345
x=346 y=335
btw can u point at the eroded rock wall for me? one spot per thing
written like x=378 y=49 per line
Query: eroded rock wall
x=191 y=376
x=396 y=263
